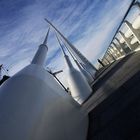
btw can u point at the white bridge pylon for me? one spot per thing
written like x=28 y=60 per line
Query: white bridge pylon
x=79 y=87
x=81 y=58
x=33 y=106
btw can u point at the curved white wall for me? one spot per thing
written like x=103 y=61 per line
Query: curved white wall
x=134 y=40
x=78 y=85
x=122 y=40
x=128 y=33
x=136 y=23
x=34 y=107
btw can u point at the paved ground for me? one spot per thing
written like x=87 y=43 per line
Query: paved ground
x=114 y=107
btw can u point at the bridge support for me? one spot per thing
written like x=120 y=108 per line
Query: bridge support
x=134 y=31
x=127 y=40
x=118 y=49
x=113 y=53
x=121 y=45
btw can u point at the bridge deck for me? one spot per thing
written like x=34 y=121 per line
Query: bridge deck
x=114 y=107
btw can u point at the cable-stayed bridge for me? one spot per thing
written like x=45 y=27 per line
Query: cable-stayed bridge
x=100 y=103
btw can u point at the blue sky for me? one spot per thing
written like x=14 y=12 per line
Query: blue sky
x=88 y=24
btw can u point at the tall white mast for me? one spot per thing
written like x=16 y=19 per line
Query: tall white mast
x=79 y=87
x=34 y=106
x=81 y=68
x=40 y=55
x=87 y=65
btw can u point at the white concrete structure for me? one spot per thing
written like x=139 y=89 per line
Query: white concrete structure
x=130 y=37
x=110 y=57
x=110 y=54
x=134 y=40
x=85 y=73
x=122 y=40
x=106 y=58
x=121 y=46
x=136 y=23
x=116 y=52
x=111 y=51
x=128 y=33
x=104 y=62
x=127 y=40
x=133 y=30
x=33 y=106
x=79 y=87
x=81 y=68
x=82 y=59
x=118 y=49
x=40 y=55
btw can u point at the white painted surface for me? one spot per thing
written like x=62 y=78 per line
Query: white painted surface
x=40 y=55
x=87 y=75
x=34 y=107
x=122 y=40
x=79 y=87
x=136 y=23
x=128 y=33
x=134 y=40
